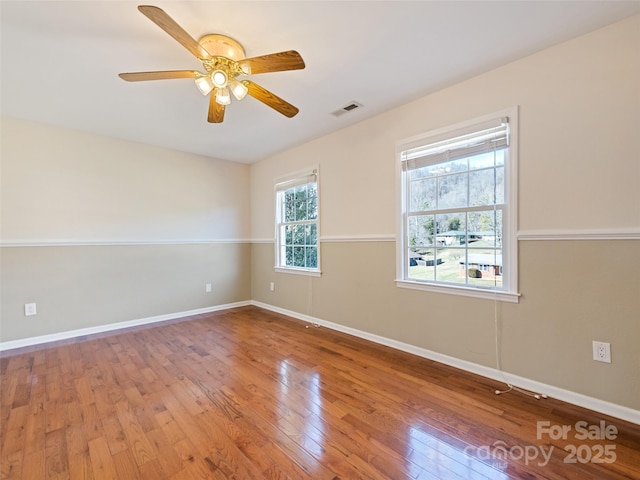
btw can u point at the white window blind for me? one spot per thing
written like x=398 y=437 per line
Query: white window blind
x=484 y=138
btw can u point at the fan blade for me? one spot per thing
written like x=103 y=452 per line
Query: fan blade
x=216 y=111
x=166 y=23
x=275 y=62
x=162 y=75
x=269 y=99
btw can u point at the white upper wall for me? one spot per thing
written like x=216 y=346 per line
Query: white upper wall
x=61 y=185
x=579 y=156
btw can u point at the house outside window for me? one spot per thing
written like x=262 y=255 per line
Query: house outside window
x=297 y=224
x=457 y=232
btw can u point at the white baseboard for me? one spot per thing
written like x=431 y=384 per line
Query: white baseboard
x=601 y=406
x=54 y=337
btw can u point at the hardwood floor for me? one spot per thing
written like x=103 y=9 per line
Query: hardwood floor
x=249 y=394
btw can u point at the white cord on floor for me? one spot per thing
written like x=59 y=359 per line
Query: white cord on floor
x=310 y=303
x=511 y=387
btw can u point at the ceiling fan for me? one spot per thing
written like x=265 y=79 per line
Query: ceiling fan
x=224 y=62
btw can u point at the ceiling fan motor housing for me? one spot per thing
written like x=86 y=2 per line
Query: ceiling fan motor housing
x=222 y=46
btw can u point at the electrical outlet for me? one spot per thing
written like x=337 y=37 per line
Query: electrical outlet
x=602 y=352
x=272 y=287
x=207 y=287
x=30 y=309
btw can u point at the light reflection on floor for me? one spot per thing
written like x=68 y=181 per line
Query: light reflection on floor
x=302 y=420
x=306 y=421
x=440 y=457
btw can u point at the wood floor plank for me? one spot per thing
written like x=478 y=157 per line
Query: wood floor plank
x=140 y=445
x=168 y=459
x=56 y=454
x=152 y=470
x=34 y=465
x=125 y=465
x=35 y=426
x=251 y=394
x=114 y=434
x=11 y=465
x=80 y=466
x=102 y=462
x=92 y=422
x=15 y=427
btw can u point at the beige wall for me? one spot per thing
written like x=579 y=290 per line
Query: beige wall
x=64 y=185
x=97 y=230
x=579 y=162
x=579 y=144
x=78 y=287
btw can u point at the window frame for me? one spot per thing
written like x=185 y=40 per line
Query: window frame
x=509 y=290
x=281 y=185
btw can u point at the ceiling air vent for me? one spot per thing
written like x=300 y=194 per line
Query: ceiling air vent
x=346 y=109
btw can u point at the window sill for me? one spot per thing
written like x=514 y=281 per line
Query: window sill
x=299 y=271
x=463 y=291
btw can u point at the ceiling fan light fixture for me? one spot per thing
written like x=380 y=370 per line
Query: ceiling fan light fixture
x=222 y=96
x=238 y=89
x=220 y=78
x=204 y=84
x=224 y=61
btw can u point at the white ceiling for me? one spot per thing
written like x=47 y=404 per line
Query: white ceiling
x=60 y=61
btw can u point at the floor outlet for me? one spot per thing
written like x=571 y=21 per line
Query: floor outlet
x=602 y=352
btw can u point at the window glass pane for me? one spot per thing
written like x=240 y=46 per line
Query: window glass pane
x=311 y=257
x=487 y=159
x=451 y=228
x=422 y=195
x=288 y=235
x=298 y=257
x=421 y=230
x=484 y=160
x=312 y=208
x=289 y=253
x=452 y=191
x=482 y=187
x=486 y=186
x=298 y=234
x=500 y=185
x=445 y=168
x=484 y=268
x=301 y=203
x=485 y=229
x=421 y=263
x=311 y=234
x=447 y=266
x=288 y=206
x=418 y=173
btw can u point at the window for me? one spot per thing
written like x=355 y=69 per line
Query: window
x=458 y=205
x=297 y=224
